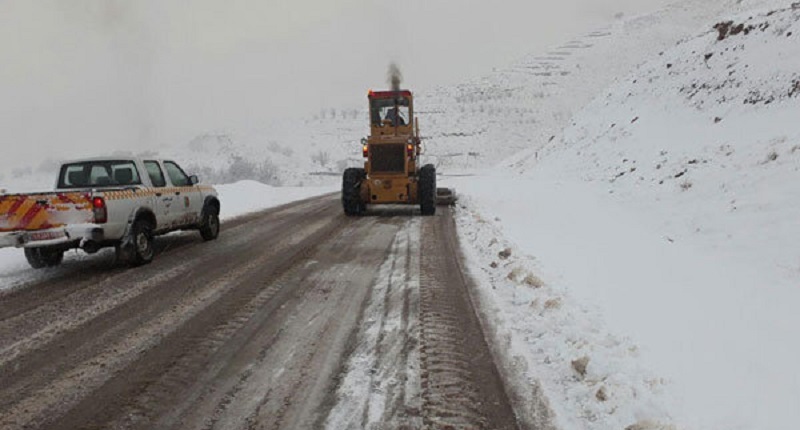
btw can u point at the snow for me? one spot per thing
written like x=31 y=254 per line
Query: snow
x=250 y=196
x=663 y=218
x=541 y=326
x=646 y=192
x=378 y=372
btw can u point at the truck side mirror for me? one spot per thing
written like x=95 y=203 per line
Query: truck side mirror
x=194 y=180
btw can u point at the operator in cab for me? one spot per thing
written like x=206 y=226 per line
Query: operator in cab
x=393 y=115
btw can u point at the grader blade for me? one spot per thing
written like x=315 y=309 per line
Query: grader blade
x=445 y=196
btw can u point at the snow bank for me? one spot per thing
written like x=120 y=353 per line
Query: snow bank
x=547 y=337
x=702 y=146
x=666 y=212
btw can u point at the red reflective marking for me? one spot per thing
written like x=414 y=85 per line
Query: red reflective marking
x=16 y=205
x=26 y=220
x=389 y=94
x=13 y=210
x=80 y=201
x=19 y=201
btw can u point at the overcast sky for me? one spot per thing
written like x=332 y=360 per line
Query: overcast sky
x=87 y=77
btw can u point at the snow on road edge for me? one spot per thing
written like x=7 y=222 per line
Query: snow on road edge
x=564 y=360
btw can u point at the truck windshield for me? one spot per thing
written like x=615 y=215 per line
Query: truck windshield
x=106 y=173
x=389 y=111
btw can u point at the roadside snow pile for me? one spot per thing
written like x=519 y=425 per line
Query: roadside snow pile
x=671 y=205
x=550 y=347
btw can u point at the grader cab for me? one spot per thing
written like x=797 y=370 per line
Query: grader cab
x=392 y=173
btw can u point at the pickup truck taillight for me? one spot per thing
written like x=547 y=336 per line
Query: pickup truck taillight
x=99 y=209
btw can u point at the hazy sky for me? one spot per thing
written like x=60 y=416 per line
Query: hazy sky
x=86 y=77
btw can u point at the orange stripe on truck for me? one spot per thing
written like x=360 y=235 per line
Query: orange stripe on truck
x=25 y=221
x=25 y=212
x=38 y=220
x=5 y=205
x=15 y=204
x=15 y=220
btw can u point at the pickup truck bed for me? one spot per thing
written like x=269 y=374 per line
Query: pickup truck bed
x=43 y=210
x=91 y=214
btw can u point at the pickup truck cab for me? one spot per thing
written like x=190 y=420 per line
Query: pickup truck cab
x=104 y=202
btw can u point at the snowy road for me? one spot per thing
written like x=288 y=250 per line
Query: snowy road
x=297 y=317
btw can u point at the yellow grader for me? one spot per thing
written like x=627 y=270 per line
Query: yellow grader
x=392 y=173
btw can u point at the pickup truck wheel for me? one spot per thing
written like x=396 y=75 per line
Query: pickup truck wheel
x=209 y=229
x=142 y=238
x=43 y=257
x=53 y=258
x=34 y=257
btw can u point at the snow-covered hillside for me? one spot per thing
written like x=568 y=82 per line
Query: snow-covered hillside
x=466 y=126
x=635 y=246
x=667 y=211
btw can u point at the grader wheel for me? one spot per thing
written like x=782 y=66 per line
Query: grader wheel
x=427 y=190
x=351 y=191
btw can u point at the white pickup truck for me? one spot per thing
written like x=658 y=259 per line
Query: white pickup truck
x=103 y=202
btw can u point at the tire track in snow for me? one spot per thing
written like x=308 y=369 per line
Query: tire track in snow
x=380 y=387
x=421 y=360
x=461 y=387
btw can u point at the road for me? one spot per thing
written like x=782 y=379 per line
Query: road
x=296 y=318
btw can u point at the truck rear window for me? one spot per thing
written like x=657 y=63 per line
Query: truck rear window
x=99 y=174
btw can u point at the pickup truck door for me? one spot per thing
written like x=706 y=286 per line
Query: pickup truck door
x=164 y=201
x=188 y=198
